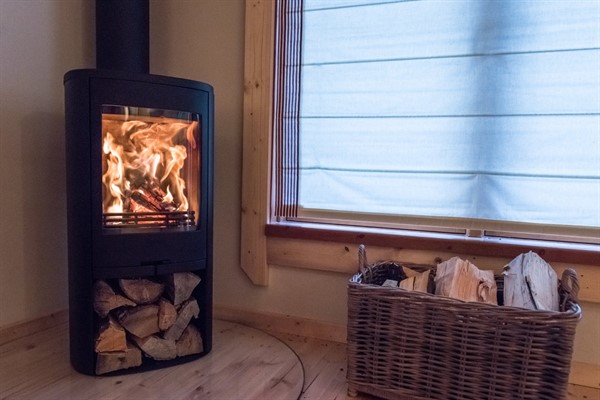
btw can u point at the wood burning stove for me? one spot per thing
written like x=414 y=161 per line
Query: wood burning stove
x=139 y=181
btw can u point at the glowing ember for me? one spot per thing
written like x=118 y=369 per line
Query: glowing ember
x=143 y=164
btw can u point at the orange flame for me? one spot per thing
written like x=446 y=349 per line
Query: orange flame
x=143 y=164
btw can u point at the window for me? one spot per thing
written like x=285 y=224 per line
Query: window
x=468 y=118
x=459 y=113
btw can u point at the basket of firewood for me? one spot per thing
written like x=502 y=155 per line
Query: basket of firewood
x=424 y=332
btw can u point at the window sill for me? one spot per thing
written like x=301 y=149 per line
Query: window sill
x=331 y=248
x=551 y=251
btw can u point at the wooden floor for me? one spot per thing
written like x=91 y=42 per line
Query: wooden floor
x=325 y=371
x=245 y=363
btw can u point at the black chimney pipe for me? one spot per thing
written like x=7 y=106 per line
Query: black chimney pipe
x=123 y=35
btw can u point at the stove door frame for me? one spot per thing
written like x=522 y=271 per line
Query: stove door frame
x=169 y=247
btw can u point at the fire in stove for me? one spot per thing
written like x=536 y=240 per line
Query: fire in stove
x=147 y=164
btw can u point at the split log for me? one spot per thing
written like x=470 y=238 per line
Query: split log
x=418 y=282
x=141 y=321
x=111 y=337
x=531 y=283
x=167 y=314
x=115 y=360
x=190 y=342
x=142 y=291
x=180 y=286
x=409 y=271
x=462 y=280
x=157 y=348
x=188 y=310
x=106 y=300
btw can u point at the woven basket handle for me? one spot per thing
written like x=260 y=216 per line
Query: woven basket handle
x=363 y=265
x=569 y=285
x=362 y=258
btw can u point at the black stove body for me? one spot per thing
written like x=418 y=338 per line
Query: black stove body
x=140 y=186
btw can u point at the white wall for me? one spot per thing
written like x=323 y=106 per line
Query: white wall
x=196 y=39
x=39 y=41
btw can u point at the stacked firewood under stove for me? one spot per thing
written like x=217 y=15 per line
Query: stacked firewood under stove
x=153 y=317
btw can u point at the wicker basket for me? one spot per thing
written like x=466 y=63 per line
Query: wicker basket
x=411 y=345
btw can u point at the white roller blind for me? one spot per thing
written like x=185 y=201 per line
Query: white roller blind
x=485 y=110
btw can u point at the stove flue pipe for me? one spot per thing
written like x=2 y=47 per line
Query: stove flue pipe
x=122 y=35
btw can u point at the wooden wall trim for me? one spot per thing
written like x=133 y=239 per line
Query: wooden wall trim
x=22 y=329
x=256 y=145
x=576 y=253
x=283 y=323
x=342 y=257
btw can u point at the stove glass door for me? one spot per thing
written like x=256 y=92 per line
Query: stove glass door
x=150 y=170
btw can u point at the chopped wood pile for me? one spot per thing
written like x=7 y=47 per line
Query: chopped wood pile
x=462 y=280
x=528 y=282
x=145 y=317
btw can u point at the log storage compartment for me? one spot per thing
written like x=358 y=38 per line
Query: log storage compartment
x=139 y=181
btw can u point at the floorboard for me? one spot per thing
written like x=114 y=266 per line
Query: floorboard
x=245 y=364
x=325 y=371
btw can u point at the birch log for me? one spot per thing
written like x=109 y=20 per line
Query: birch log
x=106 y=300
x=157 y=348
x=190 y=342
x=462 y=280
x=111 y=337
x=167 y=314
x=180 y=286
x=188 y=310
x=418 y=282
x=531 y=283
x=141 y=321
x=142 y=291
x=115 y=360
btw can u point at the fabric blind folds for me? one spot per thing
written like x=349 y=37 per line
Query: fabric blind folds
x=286 y=125
x=486 y=110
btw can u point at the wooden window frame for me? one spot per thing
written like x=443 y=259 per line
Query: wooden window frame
x=331 y=248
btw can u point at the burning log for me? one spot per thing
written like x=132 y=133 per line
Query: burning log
x=150 y=196
x=188 y=310
x=165 y=200
x=142 y=291
x=106 y=300
x=145 y=200
x=180 y=286
x=190 y=342
x=111 y=337
x=115 y=360
x=141 y=321
x=167 y=314
x=462 y=280
x=133 y=206
x=157 y=348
